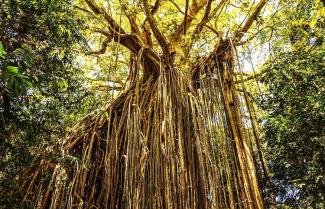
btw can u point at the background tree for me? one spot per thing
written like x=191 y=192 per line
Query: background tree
x=294 y=127
x=293 y=102
x=43 y=90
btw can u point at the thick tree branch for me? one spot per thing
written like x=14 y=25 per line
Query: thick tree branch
x=240 y=33
x=142 y=32
x=83 y=9
x=159 y=36
x=205 y=18
x=130 y=41
x=100 y=11
x=134 y=27
x=217 y=8
x=177 y=7
x=145 y=33
x=132 y=20
x=193 y=11
x=186 y=13
x=154 y=9
x=202 y=24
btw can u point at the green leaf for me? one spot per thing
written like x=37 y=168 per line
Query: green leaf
x=2 y=51
x=27 y=84
x=12 y=70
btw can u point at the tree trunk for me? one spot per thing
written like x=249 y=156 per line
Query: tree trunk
x=168 y=141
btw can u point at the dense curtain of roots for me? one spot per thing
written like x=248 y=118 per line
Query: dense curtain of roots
x=165 y=143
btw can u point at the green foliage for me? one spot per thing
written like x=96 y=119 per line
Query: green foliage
x=2 y=51
x=15 y=81
x=42 y=90
x=294 y=104
x=295 y=126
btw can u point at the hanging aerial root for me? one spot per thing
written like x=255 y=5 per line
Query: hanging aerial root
x=164 y=143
